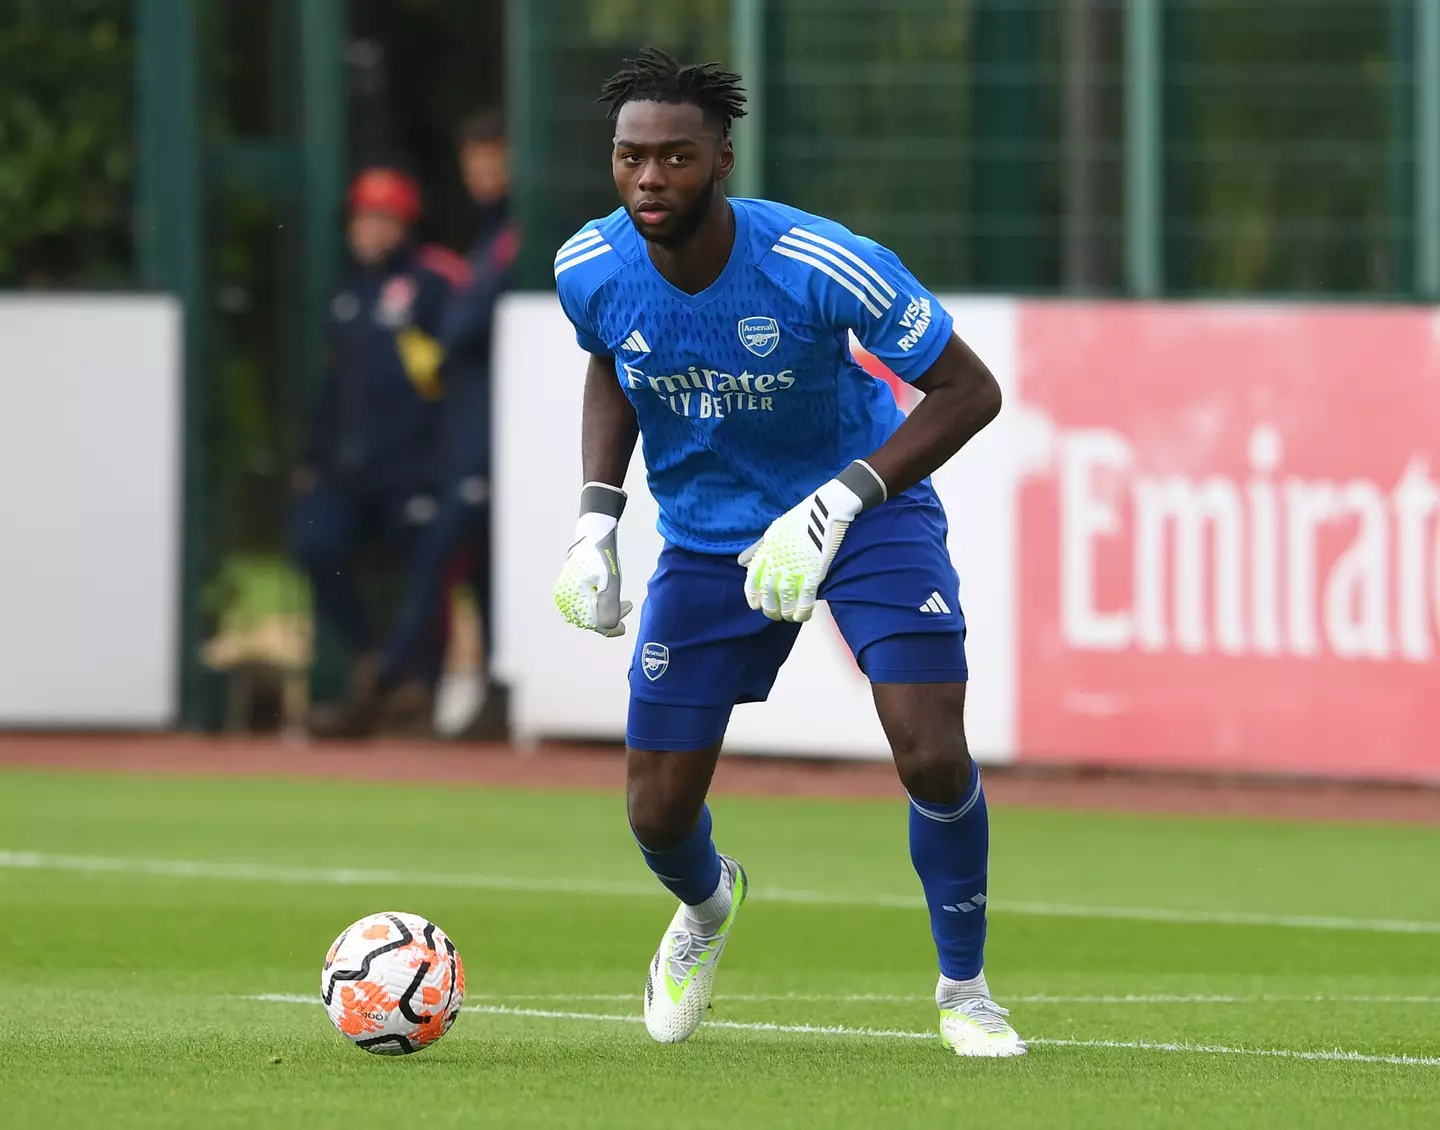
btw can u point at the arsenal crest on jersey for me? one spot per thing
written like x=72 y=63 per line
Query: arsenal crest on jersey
x=759 y=335
x=397 y=296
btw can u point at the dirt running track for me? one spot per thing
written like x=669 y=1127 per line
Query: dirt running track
x=602 y=767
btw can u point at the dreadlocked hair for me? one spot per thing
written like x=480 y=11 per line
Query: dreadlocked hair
x=656 y=77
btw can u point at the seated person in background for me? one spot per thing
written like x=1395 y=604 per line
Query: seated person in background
x=371 y=468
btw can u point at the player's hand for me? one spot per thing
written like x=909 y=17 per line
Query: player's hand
x=588 y=589
x=786 y=566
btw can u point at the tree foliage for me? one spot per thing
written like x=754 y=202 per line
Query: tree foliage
x=1290 y=154
x=928 y=125
x=66 y=142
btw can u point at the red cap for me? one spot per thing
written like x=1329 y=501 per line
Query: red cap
x=386 y=190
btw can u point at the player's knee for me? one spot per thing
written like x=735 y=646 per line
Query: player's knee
x=657 y=820
x=658 y=828
x=937 y=772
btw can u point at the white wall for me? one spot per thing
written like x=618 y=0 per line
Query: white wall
x=573 y=683
x=90 y=393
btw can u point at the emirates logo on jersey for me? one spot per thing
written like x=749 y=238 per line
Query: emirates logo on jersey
x=708 y=394
x=760 y=335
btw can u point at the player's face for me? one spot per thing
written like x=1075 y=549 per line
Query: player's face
x=667 y=161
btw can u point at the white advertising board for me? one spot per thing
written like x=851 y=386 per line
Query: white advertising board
x=90 y=393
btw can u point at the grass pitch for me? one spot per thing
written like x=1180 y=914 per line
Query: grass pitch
x=1171 y=972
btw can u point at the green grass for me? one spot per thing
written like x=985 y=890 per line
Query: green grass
x=122 y=993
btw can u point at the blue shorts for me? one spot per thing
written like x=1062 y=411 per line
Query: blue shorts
x=701 y=649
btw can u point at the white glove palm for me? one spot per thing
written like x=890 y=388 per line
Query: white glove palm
x=786 y=567
x=587 y=592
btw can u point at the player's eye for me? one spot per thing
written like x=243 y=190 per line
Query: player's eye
x=677 y=158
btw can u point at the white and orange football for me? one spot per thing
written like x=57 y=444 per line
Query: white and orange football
x=393 y=983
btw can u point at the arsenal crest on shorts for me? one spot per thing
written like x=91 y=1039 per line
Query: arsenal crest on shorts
x=654 y=659
x=759 y=335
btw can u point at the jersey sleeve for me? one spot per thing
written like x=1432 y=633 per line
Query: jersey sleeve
x=575 y=295
x=856 y=284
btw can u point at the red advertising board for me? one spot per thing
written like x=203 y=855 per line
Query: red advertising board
x=1230 y=539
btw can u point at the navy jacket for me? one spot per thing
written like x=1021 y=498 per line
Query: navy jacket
x=467 y=334
x=375 y=420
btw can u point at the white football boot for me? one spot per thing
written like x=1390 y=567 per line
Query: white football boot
x=679 y=981
x=977 y=1027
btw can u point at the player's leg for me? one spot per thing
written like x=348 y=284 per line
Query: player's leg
x=949 y=844
x=665 y=803
x=700 y=649
x=894 y=594
x=949 y=823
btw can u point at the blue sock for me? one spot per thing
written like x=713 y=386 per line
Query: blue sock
x=950 y=847
x=690 y=870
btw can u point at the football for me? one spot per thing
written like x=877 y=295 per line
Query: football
x=392 y=983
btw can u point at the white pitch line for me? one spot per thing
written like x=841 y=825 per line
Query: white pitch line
x=1220 y=998
x=354 y=877
x=617 y=1018
x=1032 y=998
x=1337 y=1056
x=1223 y=918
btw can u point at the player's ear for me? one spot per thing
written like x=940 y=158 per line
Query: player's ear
x=725 y=162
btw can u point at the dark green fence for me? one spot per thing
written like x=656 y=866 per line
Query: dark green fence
x=1277 y=147
x=1126 y=147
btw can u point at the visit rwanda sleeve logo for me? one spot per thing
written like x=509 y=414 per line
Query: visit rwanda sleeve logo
x=759 y=335
x=915 y=322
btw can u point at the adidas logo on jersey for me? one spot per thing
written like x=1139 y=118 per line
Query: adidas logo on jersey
x=936 y=605
x=635 y=343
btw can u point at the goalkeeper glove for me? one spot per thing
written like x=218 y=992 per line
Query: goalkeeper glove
x=787 y=565
x=588 y=590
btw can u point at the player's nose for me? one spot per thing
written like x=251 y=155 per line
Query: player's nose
x=652 y=176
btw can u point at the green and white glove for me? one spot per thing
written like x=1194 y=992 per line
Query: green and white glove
x=588 y=590
x=787 y=565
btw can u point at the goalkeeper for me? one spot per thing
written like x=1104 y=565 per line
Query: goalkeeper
x=718 y=336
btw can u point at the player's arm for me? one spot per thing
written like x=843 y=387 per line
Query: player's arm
x=608 y=428
x=855 y=285
x=961 y=397
x=588 y=591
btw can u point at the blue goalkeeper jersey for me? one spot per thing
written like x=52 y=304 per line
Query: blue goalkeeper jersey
x=747 y=394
